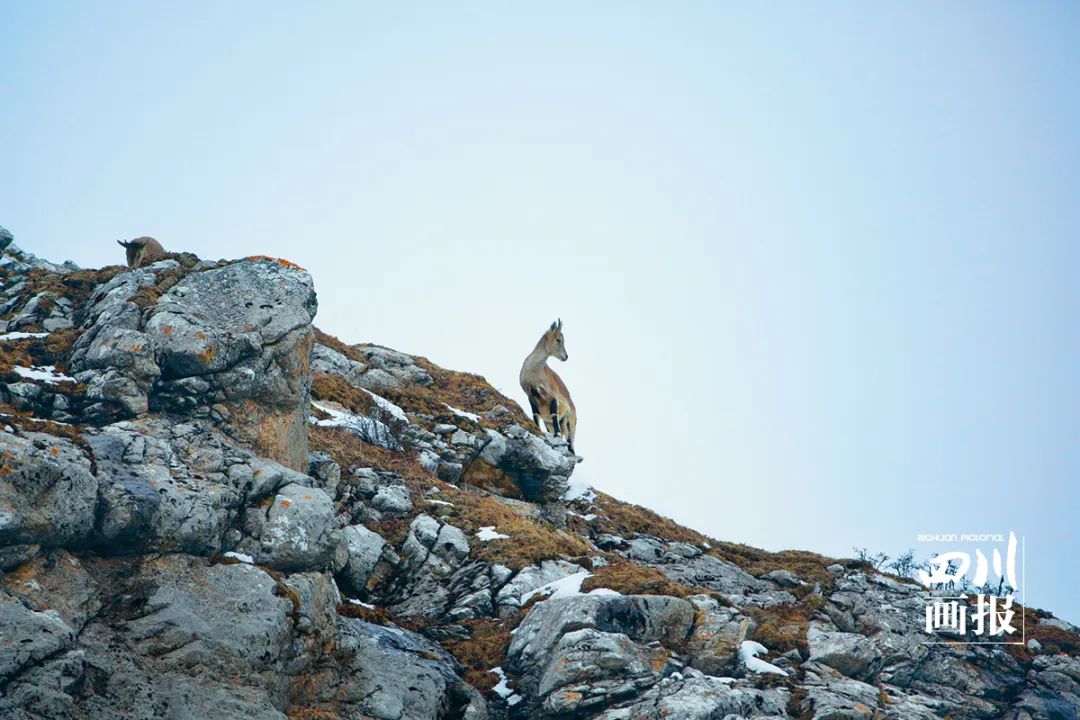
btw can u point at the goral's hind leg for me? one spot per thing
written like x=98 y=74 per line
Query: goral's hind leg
x=555 y=417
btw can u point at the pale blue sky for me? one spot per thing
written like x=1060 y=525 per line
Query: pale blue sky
x=817 y=262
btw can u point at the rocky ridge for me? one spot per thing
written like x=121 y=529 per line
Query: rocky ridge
x=210 y=508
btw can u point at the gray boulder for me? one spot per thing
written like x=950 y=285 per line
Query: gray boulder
x=432 y=554
x=330 y=362
x=689 y=695
x=392 y=500
x=717 y=632
x=365 y=549
x=246 y=329
x=395 y=674
x=390 y=368
x=28 y=636
x=642 y=618
x=298 y=532
x=229 y=342
x=852 y=654
x=113 y=356
x=528 y=579
x=47 y=492
x=539 y=467
x=434 y=547
x=609 y=664
x=223 y=616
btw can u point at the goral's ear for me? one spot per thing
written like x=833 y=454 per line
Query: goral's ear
x=560 y=323
x=554 y=326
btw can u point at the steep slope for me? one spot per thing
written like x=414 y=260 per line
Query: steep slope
x=209 y=508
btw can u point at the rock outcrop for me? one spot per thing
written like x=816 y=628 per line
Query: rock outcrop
x=208 y=508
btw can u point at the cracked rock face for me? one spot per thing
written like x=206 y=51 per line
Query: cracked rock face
x=49 y=494
x=230 y=343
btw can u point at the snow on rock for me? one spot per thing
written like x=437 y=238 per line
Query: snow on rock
x=22 y=335
x=368 y=429
x=386 y=406
x=608 y=592
x=45 y=373
x=748 y=652
x=486 y=533
x=503 y=689
x=246 y=559
x=578 y=489
x=461 y=413
x=568 y=586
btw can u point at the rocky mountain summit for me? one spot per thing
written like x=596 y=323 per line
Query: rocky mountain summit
x=211 y=509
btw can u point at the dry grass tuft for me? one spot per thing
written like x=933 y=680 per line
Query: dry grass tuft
x=781 y=628
x=625 y=519
x=76 y=286
x=334 y=344
x=530 y=541
x=1054 y=640
x=146 y=297
x=808 y=566
x=334 y=388
x=312 y=713
x=375 y=615
x=484 y=649
x=464 y=391
x=349 y=451
x=632 y=579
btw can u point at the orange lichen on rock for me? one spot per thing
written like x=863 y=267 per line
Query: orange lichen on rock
x=280 y=261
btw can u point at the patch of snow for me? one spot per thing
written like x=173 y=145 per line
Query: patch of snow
x=605 y=591
x=246 y=559
x=568 y=586
x=587 y=518
x=22 y=335
x=748 y=652
x=383 y=404
x=45 y=373
x=440 y=502
x=368 y=429
x=578 y=489
x=503 y=690
x=361 y=603
x=461 y=413
x=487 y=533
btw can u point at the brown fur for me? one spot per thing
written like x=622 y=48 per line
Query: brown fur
x=546 y=391
x=143 y=251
